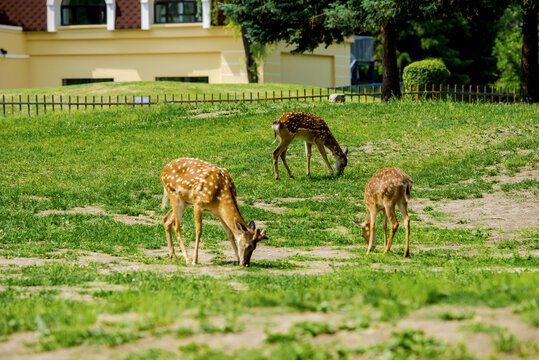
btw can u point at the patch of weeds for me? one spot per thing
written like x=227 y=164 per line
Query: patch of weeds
x=527 y=184
x=355 y=324
x=413 y=344
x=151 y=354
x=230 y=325
x=183 y=332
x=311 y=328
x=50 y=340
x=279 y=264
x=428 y=208
x=482 y=328
x=279 y=338
x=458 y=316
x=529 y=311
x=507 y=244
x=506 y=343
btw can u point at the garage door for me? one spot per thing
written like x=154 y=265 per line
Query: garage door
x=312 y=70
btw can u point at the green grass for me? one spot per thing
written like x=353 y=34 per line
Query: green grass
x=112 y=159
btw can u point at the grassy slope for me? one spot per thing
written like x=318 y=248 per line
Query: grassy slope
x=113 y=159
x=154 y=88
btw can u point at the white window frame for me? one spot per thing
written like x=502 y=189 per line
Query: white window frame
x=54 y=17
x=147 y=16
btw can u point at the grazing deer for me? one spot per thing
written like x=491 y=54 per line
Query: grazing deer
x=208 y=188
x=388 y=188
x=312 y=130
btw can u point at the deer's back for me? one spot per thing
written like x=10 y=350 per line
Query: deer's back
x=387 y=184
x=298 y=122
x=197 y=180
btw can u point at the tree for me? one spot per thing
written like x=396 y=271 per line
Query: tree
x=529 y=70
x=309 y=23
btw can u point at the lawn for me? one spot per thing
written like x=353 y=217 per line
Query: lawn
x=84 y=271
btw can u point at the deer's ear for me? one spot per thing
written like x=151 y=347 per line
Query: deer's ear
x=359 y=223
x=345 y=151
x=240 y=226
x=252 y=225
x=260 y=235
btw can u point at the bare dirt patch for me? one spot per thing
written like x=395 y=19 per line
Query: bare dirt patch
x=148 y=219
x=223 y=113
x=499 y=211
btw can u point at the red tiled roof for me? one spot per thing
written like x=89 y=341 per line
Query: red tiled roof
x=30 y=14
x=127 y=14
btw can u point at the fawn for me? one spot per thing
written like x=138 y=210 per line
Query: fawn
x=312 y=130
x=387 y=188
x=208 y=188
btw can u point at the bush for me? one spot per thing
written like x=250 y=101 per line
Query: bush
x=425 y=72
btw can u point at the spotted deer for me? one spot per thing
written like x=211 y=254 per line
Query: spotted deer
x=388 y=188
x=208 y=188
x=312 y=130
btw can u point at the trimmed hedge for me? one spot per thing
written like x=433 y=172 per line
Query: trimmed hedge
x=425 y=72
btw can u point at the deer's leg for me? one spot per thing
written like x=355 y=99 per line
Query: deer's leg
x=308 y=152
x=178 y=208
x=232 y=239
x=385 y=228
x=390 y=211
x=403 y=207
x=322 y=150
x=283 y=158
x=372 y=235
x=168 y=220
x=198 y=223
x=283 y=146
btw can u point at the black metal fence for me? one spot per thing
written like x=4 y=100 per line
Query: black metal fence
x=28 y=105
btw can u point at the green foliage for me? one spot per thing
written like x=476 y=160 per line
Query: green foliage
x=458 y=316
x=425 y=73
x=508 y=49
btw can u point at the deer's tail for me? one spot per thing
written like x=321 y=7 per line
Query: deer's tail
x=275 y=126
x=408 y=183
x=165 y=199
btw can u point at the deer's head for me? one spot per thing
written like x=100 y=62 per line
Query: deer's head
x=247 y=241
x=341 y=161
x=365 y=229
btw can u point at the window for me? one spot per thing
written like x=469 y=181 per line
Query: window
x=66 y=82
x=194 y=79
x=83 y=12
x=176 y=11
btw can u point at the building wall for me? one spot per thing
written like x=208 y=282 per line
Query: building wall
x=165 y=50
x=13 y=65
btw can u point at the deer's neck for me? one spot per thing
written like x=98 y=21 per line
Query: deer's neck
x=333 y=145
x=230 y=213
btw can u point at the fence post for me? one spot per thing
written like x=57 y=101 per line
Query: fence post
x=28 y=103
x=44 y=104
x=61 y=103
x=78 y=104
x=52 y=103
x=514 y=94
x=12 y=111
x=37 y=106
x=4 y=105
x=20 y=103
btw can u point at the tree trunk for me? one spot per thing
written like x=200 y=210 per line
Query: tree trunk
x=529 y=70
x=250 y=63
x=390 y=74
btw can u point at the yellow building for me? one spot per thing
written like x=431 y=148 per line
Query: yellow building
x=76 y=41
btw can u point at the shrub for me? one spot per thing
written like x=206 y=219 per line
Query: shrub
x=425 y=72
